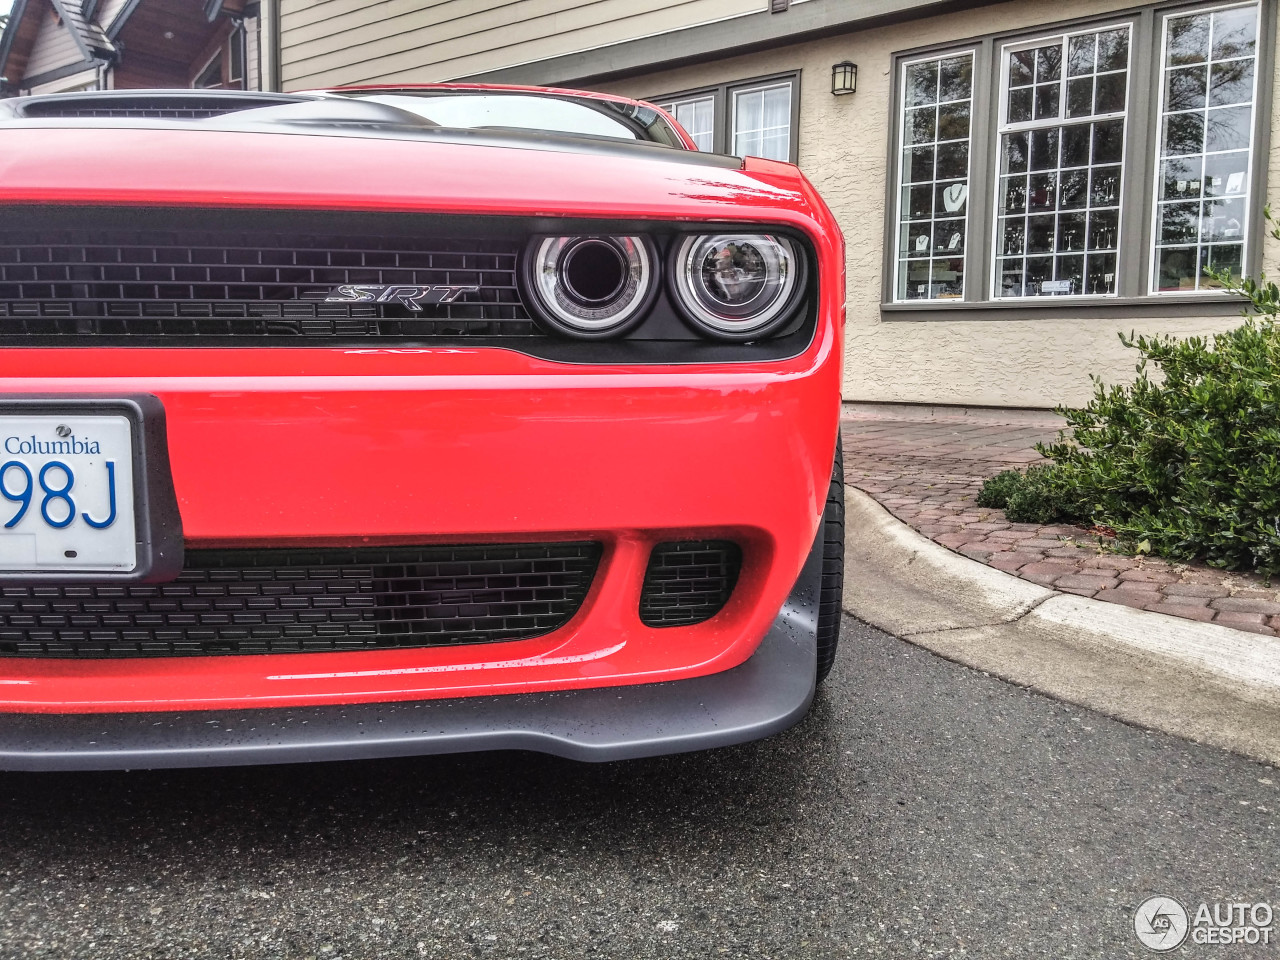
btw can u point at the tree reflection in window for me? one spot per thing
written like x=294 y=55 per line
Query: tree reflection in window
x=1062 y=136
x=1208 y=72
x=933 y=179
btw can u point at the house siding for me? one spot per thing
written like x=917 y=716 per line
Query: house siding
x=843 y=145
x=252 y=52
x=55 y=47
x=108 y=10
x=401 y=41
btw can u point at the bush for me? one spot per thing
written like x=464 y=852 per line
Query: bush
x=1188 y=461
x=1038 y=496
x=995 y=491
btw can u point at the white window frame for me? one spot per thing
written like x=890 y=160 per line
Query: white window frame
x=762 y=88
x=897 y=242
x=1136 y=292
x=1002 y=127
x=723 y=110
x=1250 y=192
x=671 y=106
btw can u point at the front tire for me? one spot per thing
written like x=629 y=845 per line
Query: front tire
x=829 y=600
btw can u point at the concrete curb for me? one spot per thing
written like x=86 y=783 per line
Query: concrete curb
x=1201 y=681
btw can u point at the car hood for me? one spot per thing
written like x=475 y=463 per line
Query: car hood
x=484 y=173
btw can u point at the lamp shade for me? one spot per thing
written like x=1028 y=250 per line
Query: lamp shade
x=844 y=78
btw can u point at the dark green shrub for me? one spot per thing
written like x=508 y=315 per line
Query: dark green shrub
x=1038 y=496
x=1043 y=496
x=1189 y=460
x=995 y=490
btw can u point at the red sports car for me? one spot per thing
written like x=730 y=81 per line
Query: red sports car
x=374 y=422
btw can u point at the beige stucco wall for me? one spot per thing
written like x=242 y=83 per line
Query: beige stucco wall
x=843 y=145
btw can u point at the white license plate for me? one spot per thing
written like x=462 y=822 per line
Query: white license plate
x=66 y=494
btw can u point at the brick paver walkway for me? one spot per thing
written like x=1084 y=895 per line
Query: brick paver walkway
x=927 y=468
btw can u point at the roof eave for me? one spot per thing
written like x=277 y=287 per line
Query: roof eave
x=112 y=29
x=10 y=32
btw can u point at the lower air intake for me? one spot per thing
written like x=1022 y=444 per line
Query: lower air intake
x=301 y=601
x=688 y=581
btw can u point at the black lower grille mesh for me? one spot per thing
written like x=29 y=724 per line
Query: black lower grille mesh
x=688 y=581
x=292 y=601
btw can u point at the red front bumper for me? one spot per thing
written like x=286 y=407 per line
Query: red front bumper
x=348 y=447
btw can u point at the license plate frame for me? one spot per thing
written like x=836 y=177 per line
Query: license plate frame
x=158 y=539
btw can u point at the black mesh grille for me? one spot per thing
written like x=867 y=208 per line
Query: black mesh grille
x=185 y=107
x=93 y=282
x=291 y=601
x=688 y=581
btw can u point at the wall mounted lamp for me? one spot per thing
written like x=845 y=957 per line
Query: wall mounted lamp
x=844 y=78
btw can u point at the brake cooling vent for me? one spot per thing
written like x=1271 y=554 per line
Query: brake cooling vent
x=301 y=601
x=688 y=581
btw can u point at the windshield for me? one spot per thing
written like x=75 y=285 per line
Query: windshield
x=524 y=111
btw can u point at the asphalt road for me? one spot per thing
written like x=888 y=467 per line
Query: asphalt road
x=922 y=810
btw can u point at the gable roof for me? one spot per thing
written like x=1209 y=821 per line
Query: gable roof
x=89 y=36
x=23 y=28
x=122 y=15
x=19 y=25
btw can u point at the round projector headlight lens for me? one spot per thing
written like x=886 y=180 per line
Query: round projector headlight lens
x=736 y=286
x=591 y=286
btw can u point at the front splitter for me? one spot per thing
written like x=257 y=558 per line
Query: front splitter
x=768 y=693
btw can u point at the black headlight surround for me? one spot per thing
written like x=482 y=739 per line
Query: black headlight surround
x=533 y=299
x=662 y=334
x=785 y=315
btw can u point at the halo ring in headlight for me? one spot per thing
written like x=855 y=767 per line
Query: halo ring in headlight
x=736 y=286
x=590 y=286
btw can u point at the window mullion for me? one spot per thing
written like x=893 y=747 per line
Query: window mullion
x=982 y=159
x=1133 y=260
x=722 y=121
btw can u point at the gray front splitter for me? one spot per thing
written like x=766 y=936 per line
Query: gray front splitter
x=768 y=693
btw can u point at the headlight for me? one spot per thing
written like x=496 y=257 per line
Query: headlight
x=736 y=286
x=591 y=286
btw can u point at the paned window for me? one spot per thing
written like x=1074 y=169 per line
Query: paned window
x=697 y=115
x=1203 y=196
x=751 y=118
x=1061 y=153
x=762 y=121
x=934 y=173
x=1112 y=159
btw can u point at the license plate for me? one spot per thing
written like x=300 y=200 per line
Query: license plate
x=67 y=494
